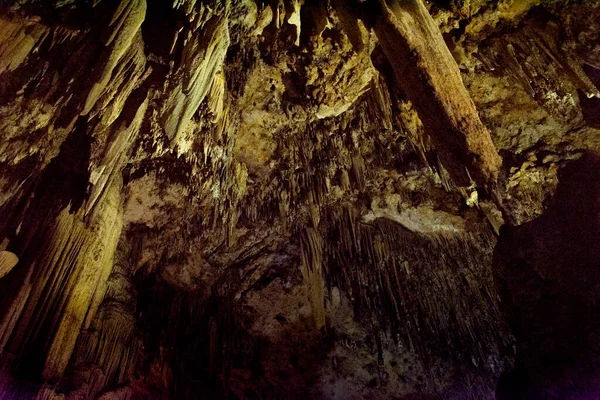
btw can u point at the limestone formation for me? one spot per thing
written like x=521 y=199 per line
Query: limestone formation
x=429 y=76
x=335 y=199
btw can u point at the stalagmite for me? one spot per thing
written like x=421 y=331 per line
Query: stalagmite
x=427 y=72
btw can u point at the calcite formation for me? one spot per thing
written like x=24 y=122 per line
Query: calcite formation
x=429 y=76
x=314 y=199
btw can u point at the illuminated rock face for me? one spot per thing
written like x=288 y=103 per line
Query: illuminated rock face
x=243 y=199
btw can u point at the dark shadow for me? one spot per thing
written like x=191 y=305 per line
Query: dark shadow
x=548 y=276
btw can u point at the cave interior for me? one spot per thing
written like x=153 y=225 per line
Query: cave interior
x=299 y=199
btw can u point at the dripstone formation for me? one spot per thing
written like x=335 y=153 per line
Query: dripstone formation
x=264 y=199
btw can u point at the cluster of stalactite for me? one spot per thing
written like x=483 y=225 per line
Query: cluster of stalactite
x=316 y=168
x=95 y=96
x=81 y=94
x=62 y=166
x=210 y=178
x=90 y=104
x=431 y=293
x=196 y=352
x=107 y=352
x=533 y=57
x=60 y=278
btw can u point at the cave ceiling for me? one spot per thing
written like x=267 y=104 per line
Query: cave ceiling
x=253 y=199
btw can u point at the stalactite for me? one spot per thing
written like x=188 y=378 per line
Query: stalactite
x=293 y=18
x=412 y=127
x=65 y=286
x=107 y=349
x=350 y=24
x=203 y=55
x=96 y=258
x=380 y=103
x=60 y=292
x=112 y=161
x=312 y=265
x=216 y=96
x=532 y=58
x=18 y=37
x=126 y=22
x=432 y=81
x=57 y=297
x=392 y=274
x=8 y=260
x=358 y=167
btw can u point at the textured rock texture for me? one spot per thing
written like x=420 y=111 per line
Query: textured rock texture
x=298 y=199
